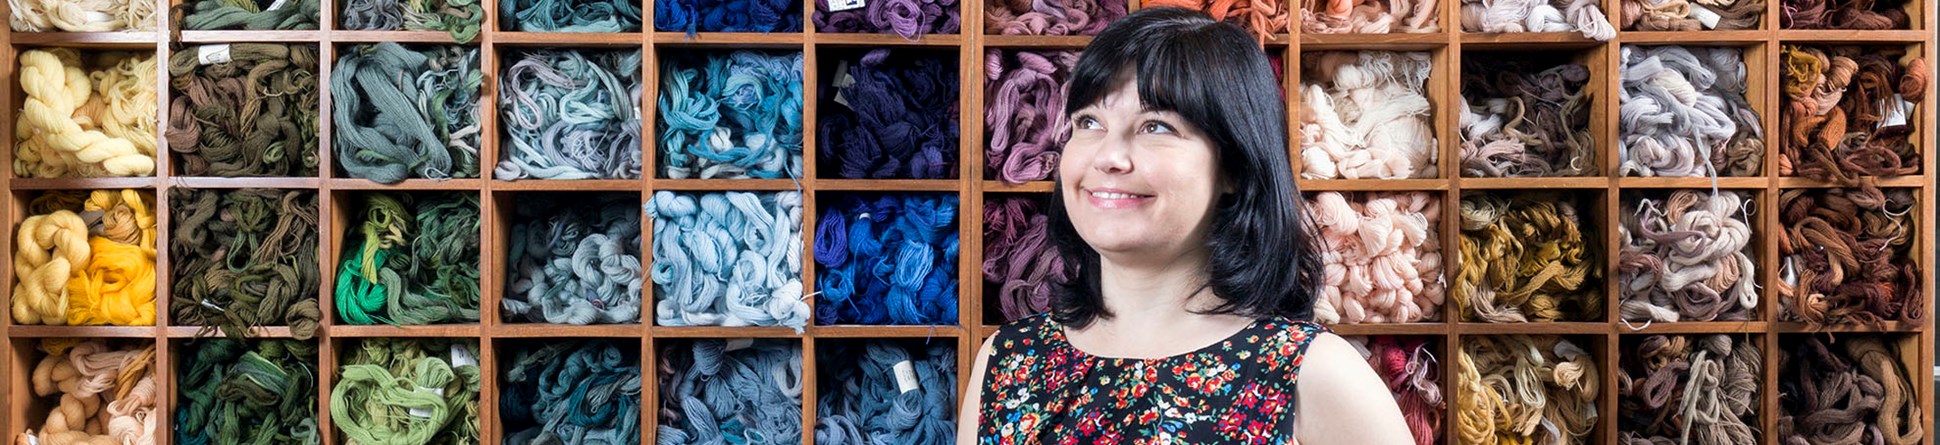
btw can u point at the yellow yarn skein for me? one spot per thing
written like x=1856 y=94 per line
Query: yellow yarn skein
x=49 y=250
x=51 y=138
x=117 y=287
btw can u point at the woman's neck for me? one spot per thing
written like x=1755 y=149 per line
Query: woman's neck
x=1158 y=296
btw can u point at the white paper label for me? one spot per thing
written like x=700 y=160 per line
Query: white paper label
x=844 y=5
x=1705 y=16
x=841 y=82
x=207 y=304
x=905 y=376
x=461 y=357
x=275 y=6
x=424 y=413
x=736 y=344
x=212 y=54
x=1896 y=111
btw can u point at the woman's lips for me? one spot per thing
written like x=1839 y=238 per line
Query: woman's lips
x=1115 y=198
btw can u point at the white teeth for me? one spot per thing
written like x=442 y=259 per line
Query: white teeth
x=1108 y=195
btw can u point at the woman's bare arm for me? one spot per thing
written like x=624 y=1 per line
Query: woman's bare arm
x=967 y=417
x=1342 y=401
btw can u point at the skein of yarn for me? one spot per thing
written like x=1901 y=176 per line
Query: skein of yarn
x=887 y=259
x=1848 y=389
x=1526 y=115
x=570 y=114
x=890 y=117
x=1845 y=257
x=882 y=391
x=1383 y=261
x=1365 y=115
x=410 y=259
x=1683 y=112
x=86 y=262
x=1409 y=367
x=694 y=16
x=1263 y=18
x=1686 y=257
x=415 y=391
x=574 y=259
x=728 y=259
x=1527 y=257
x=1688 y=389
x=907 y=18
x=244 y=109
x=390 y=127
x=731 y=115
x=101 y=393
x=244 y=258
x=1686 y=15
x=255 y=15
x=92 y=117
x=1050 y=18
x=238 y=391
x=1845 y=14
x=461 y=18
x=569 y=16
x=1369 y=16
x=1021 y=265
x=81 y=16
x=1849 y=112
x=1493 y=16
x=578 y=391
x=1023 y=111
x=730 y=391
x=1519 y=389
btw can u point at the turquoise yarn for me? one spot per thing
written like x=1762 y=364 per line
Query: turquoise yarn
x=569 y=15
x=578 y=392
x=728 y=259
x=570 y=114
x=574 y=261
x=710 y=395
x=390 y=127
x=862 y=401
x=731 y=116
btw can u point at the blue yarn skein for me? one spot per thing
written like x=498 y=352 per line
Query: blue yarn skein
x=570 y=114
x=887 y=259
x=569 y=15
x=711 y=395
x=573 y=392
x=731 y=116
x=574 y=261
x=863 y=402
x=692 y=16
x=728 y=259
x=890 y=118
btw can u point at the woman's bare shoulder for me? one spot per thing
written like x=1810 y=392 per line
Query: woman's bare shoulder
x=1342 y=400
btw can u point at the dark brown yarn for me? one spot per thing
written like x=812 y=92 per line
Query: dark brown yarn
x=1846 y=14
x=253 y=116
x=1836 y=106
x=1846 y=257
x=1675 y=15
x=1688 y=389
x=1846 y=390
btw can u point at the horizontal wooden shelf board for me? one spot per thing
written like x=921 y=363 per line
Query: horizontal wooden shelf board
x=227 y=36
x=1852 y=36
x=568 y=39
x=1793 y=327
x=1335 y=185
x=856 y=331
x=1706 y=327
x=930 y=40
x=580 y=185
x=1533 y=183
x=724 y=332
x=466 y=330
x=231 y=183
x=36 y=331
x=1808 y=183
x=1365 y=329
x=1525 y=40
x=120 y=39
x=726 y=184
x=1028 y=187
x=1719 y=38
x=1727 y=183
x=82 y=183
x=408 y=184
x=210 y=331
x=1392 y=41
x=559 y=330
x=405 y=37
x=734 y=39
x=1550 y=328
x=889 y=185
x=1044 y=42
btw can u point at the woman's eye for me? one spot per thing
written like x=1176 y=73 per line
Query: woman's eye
x=1156 y=127
x=1087 y=123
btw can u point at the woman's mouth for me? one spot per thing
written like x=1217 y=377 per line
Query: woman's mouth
x=1115 y=199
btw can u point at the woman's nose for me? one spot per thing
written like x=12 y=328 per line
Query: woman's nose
x=1114 y=155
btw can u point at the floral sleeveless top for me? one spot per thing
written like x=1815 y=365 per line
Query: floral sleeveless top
x=1038 y=389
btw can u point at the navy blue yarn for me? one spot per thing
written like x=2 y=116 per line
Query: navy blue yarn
x=907 y=18
x=898 y=120
x=862 y=403
x=887 y=259
x=693 y=16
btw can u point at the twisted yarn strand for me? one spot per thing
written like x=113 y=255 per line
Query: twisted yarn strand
x=1521 y=389
x=728 y=259
x=1844 y=14
x=570 y=114
x=1687 y=257
x=400 y=113
x=244 y=258
x=1688 y=389
x=1020 y=261
x=1685 y=15
x=86 y=262
x=101 y=394
x=574 y=261
x=712 y=392
x=887 y=259
x=731 y=116
x=412 y=260
x=1365 y=115
x=1024 y=112
x=1527 y=257
x=1262 y=18
x=1683 y=112
x=79 y=123
x=1383 y=261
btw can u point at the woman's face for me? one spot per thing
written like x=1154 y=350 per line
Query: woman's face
x=1138 y=185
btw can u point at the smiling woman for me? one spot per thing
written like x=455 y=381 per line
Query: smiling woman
x=1194 y=270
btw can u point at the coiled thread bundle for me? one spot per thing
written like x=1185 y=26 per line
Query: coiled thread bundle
x=418 y=391
x=101 y=393
x=569 y=16
x=1845 y=256
x=1683 y=112
x=887 y=259
x=82 y=16
x=570 y=114
x=1023 y=110
x=421 y=124
x=1689 y=389
x=237 y=391
x=890 y=118
x=730 y=391
x=86 y=262
x=692 y=16
x=573 y=392
x=1019 y=260
x=731 y=116
x=1263 y=18
x=1849 y=112
x=1409 y=367
x=1687 y=257
x=907 y=18
x=247 y=15
x=1848 y=389
x=1844 y=14
x=254 y=114
x=77 y=122
x=1365 y=115
x=1050 y=18
x=867 y=396
x=244 y=258
x=1525 y=389
x=574 y=261
x=461 y=18
x=1687 y=15
x=410 y=260
x=1369 y=16
x=1525 y=117
x=1582 y=16
x=1527 y=257
x=728 y=259
x=1383 y=262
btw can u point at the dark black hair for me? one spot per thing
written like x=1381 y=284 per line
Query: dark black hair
x=1266 y=261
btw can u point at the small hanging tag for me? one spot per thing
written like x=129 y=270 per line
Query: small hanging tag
x=1705 y=16
x=905 y=376
x=842 y=82
x=1896 y=111
x=844 y=5
x=425 y=413
x=736 y=344
x=461 y=357
x=212 y=54
x=33 y=439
